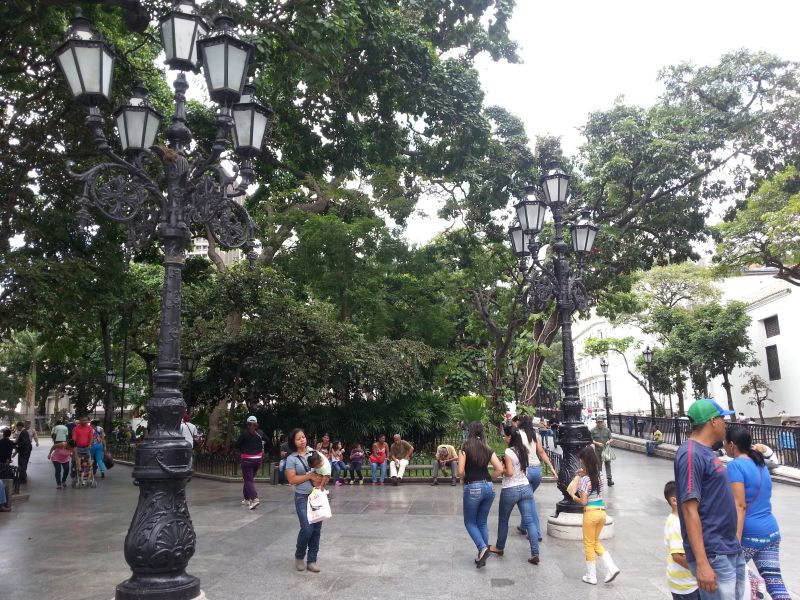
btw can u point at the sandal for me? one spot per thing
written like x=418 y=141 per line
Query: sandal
x=494 y=550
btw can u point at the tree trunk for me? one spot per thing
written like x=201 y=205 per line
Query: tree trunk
x=680 y=383
x=29 y=410
x=544 y=333
x=760 y=414
x=234 y=402
x=727 y=385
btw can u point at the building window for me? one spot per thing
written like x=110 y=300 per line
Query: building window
x=773 y=365
x=772 y=327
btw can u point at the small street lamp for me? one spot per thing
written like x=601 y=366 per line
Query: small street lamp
x=604 y=368
x=648 y=360
x=480 y=362
x=108 y=414
x=169 y=191
x=555 y=279
x=190 y=365
x=514 y=371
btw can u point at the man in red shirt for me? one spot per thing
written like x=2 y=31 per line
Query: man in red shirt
x=82 y=434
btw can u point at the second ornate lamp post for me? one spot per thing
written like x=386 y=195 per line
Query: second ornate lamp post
x=648 y=360
x=604 y=368
x=557 y=280
x=164 y=190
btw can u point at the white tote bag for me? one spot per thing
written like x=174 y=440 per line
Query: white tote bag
x=318 y=507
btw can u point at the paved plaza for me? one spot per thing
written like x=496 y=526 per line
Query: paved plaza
x=383 y=542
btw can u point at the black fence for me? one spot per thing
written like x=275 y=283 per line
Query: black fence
x=785 y=441
x=223 y=465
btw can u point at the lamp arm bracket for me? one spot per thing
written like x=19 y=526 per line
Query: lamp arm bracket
x=232 y=227
x=117 y=197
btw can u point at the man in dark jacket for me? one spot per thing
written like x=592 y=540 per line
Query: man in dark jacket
x=6 y=448
x=24 y=449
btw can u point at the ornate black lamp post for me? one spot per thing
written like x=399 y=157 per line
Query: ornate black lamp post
x=604 y=368
x=648 y=360
x=555 y=279
x=164 y=191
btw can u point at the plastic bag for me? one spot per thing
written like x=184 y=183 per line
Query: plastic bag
x=608 y=454
x=318 y=507
x=758 y=587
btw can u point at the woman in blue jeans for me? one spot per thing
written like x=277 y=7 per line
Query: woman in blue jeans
x=303 y=478
x=536 y=456
x=516 y=491
x=473 y=460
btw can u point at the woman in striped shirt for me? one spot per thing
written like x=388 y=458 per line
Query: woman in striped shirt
x=590 y=495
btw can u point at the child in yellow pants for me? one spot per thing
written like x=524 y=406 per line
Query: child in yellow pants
x=589 y=494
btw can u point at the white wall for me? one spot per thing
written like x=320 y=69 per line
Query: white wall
x=765 y=297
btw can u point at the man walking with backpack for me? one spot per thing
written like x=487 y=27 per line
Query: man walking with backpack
x=23 y=451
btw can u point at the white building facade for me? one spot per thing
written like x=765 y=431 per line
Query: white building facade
x=773 y=306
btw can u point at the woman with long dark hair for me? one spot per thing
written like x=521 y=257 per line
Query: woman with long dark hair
x=516 y=491
x=473 y=461
x=756 y=527
x=589 y=494
x=536 y=456
x=300 y=475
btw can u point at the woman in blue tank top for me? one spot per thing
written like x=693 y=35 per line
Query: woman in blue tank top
x=757 y=527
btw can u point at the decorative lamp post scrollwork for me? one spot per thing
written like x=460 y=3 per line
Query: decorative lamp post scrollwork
x=165 y=191
x=555 y=279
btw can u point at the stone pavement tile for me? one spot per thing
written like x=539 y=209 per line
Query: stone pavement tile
x=404 y=543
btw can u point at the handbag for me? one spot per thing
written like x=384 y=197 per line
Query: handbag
x=318 y=508
x=608 y=454
x=108 y=461
x=374 y=457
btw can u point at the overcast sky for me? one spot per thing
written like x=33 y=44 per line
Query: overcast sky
x=578 y=56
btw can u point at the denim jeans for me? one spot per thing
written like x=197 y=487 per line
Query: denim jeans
x=534 y=478
x=308 y=537
x=62 y=472
x=453 y=464
x=521 y=496
x=337 y=468
x=355 y=467
x=478 y=498
x=731 y=571
x=97 y=457
x=375 y=468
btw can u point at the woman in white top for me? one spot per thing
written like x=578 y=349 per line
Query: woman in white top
x=533 y=445
x=516 y=491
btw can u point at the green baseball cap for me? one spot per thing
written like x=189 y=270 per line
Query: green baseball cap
x=703 y=410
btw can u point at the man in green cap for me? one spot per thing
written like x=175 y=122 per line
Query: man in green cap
x=707 y=508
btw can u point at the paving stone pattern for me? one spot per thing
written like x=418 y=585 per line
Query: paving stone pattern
x=402 y=543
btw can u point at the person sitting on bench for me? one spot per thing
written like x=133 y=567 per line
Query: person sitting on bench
x=445 y=457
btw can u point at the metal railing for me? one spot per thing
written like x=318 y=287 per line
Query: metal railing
x=785 y=441
x=223 y=465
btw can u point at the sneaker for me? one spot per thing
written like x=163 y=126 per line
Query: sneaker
x=351 y=482
x=5 y=509
x=58 y=487
x=312 y=567
x=299 y=564
x=394 y=480
x=435 y=482
x=102 y=474
x=247 y=502
x=254 y=503
x=453 y=482
x=361 y=482
x=339 y=483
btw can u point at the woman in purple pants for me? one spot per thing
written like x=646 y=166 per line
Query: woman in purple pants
x=251 y=452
